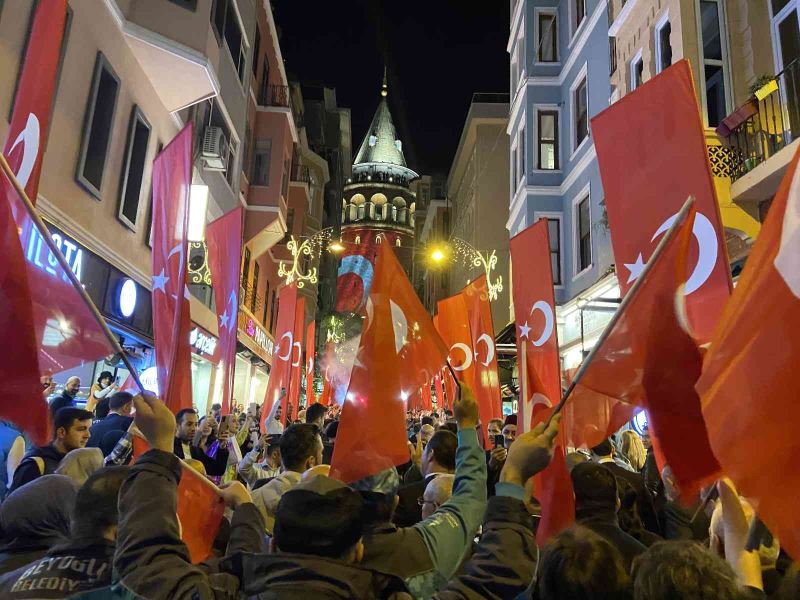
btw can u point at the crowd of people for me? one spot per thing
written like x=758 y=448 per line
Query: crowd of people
x=81 y=518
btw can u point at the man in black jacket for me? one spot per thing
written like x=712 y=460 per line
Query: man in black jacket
x=596 y=504
x=119 y=418
x=72 y=427
x=67 y=396
x=85 y=562
x=438 y=457
x=186 y=426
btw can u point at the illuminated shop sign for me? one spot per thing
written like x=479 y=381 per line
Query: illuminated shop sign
x=39 y=254
x=202 y=343
x=260 y=336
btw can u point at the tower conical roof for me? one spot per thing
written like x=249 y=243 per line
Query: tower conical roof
x=381 y=145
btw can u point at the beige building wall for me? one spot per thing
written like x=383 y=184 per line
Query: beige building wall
x=478 y=190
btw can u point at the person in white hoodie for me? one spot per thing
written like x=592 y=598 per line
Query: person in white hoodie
x=301 y=449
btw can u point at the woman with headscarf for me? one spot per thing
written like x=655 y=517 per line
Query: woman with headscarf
x=33 y=518
x=78 y=464
x=104 y=386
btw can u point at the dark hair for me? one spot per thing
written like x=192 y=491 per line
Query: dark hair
x=332 y=429
x=104 y=375
x=427 y=421
x=443 y=445
x=378 y=508
x=101 y=409
x=216 y=406
x=298 y=442
x=315 y=412
x=510 y=420
x=326 y=525
x=682 y=569
x=580 y=565
x=604 y=448
x=594 y=486
x=96 y=503
x=449 y=426
x=435 y=415
x=65 y=416
x=119 y=399
x=182 y=412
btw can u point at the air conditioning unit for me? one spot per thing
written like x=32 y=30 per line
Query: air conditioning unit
x=215 y=149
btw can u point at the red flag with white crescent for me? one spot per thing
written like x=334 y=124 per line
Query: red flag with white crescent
x=399 y=351
x=311 y=347
x=297 y=356
x=224 y=243
x=652 y=155
x=172 y=179
x=487 y=379
x=281 y=373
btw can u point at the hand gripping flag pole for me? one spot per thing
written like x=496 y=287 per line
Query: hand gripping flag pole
x=40 y=226
x=680 y=218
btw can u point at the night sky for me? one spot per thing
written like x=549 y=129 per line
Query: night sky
x=438 y=52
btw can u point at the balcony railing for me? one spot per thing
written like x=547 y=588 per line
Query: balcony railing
x=274 y=95
x=300 y=173
x=766 y=124
x=490 y=97
x=387 y=213
x=250 y=299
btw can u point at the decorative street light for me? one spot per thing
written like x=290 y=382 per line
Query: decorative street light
x=458 y=250
x=308 y=247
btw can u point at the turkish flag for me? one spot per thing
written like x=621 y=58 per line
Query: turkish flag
x=534 y=310
x=649 y=359
x=199 y=507
x=172 y=180
x=297 y=355
x=452 y=323
x=399 y=351
x=437 y=381
x=652 y=155
x=426 y=396
x=749 y=386
x=487 y=380
x=224 y=246
x=282 y=357
x=311 y=348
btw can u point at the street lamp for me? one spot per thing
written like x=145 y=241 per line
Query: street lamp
x=464 y=252
x=308 y=247
x=336 y=247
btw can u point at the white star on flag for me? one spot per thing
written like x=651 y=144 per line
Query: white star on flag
x=223 y=320
x=635 y=268
x=159 y=281
x=524 y=330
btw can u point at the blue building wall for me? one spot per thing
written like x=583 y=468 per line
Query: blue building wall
x=584 y=50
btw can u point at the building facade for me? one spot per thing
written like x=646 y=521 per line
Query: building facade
x=559 y=80
x=132 y=74
x=477 y=190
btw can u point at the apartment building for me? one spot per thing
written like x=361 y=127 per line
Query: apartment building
x=559 y=81
x=477 y=189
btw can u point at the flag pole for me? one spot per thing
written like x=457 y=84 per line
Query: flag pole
x=523 y=388
x=40 y=226
x=679 y=219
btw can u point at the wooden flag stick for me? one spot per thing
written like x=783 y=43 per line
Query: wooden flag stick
x=523 y=389
x=42 y=229
x=679 y=219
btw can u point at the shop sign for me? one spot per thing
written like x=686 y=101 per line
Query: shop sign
x=202 y=343
x=149 y=379
x=260 y=336
x=38 y=253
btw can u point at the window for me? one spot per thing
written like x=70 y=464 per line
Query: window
x=287 y=165
x=547 y=131
x=583 y=252
x=149 y=229
x=256 y=49
x=289 y=225
x=254 y=295
x=225 y=21
x=230 y=164
x=637 y=70
x=273 y=309
x=187 y=4
x=612 y=55
x=133 y=168
x=714 y=58
x=579 y=13
x=99 y=121
x=547 y=43
x=247 y=152
x=263 y=89
x=554 y=233
x=261 y=160
x=514 y=71
x=522 y=153
x=246 y=268
x=514 y=169
x=397 y=242
x=663 y=46
x=580 y=114
x=266 y=295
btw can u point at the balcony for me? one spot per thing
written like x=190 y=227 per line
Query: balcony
x=761 y=135
x=369 y=212
x=300 y=173
x=274 y=95
x=172 y=41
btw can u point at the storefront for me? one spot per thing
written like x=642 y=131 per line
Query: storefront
x=206 y=379
x=124 y=303
x=253 y=361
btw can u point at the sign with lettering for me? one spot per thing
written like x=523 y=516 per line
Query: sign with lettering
x=39 y=254
x=259 y=336
x=202 y=343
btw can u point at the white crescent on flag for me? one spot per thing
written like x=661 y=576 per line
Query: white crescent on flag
x=467 y=357
x=29 y=138
x=485 y=338
x=289 y=335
